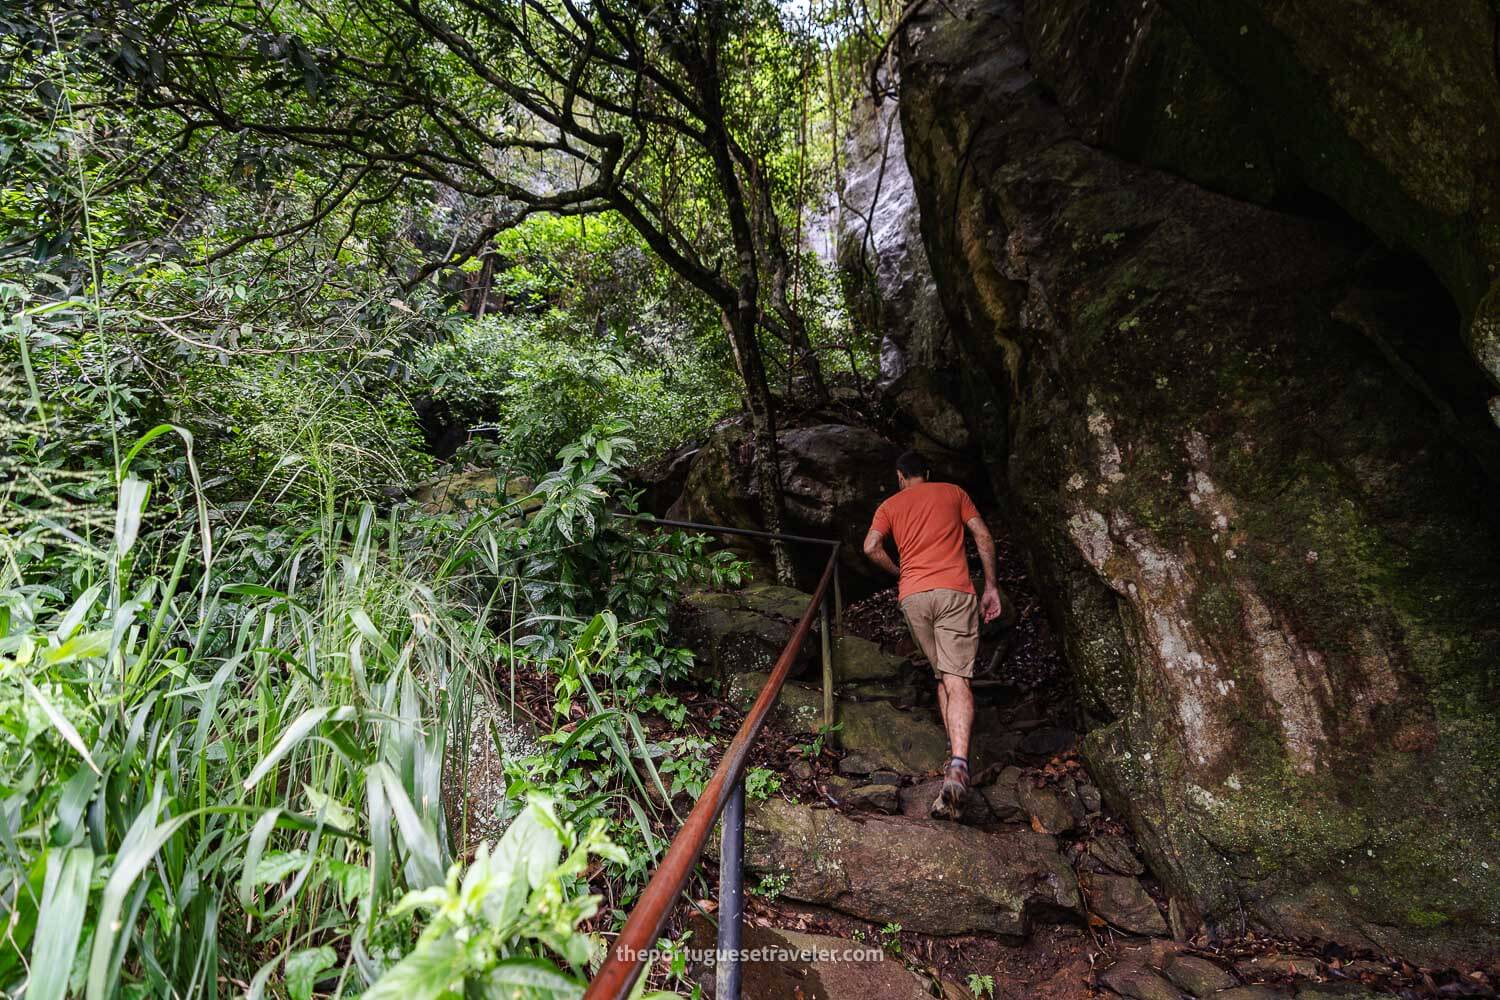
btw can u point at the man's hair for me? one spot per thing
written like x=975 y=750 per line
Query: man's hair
x=914 y=463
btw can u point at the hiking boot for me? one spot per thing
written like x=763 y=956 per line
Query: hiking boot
x=940 y=809
x=950 y=801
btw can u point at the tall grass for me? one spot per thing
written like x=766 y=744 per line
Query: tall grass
x=200 y=764
x=222 y=747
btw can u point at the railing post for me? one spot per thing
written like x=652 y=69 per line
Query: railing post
x=838 y=598
x=827 y=663
x=731 y=895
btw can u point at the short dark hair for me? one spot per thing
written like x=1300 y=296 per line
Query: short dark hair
x=914 y=463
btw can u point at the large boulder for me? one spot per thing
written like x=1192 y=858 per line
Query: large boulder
x=742 y=631
x=833 y=477
x=1389 y=109
x=890 y=290
x=929 y=876
x=1271 y=559
x=913 y=741
x=888 y=283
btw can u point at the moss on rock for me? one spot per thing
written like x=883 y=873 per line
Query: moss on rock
x=1271 y=562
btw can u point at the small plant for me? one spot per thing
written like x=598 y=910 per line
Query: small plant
x=890 y=938
x=814 y=750
x=771 y=886
x=674 y=956
x=499 y=923
x=981 y=986
x=687 y=763
x=761 y=783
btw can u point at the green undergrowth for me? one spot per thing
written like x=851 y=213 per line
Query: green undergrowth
x=224 y=729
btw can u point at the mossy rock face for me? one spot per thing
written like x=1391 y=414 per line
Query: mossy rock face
x=914 y=741
x=475 y=489
x=729 y=636
x=799 y=706
x=909 y=742
x=857 y=660
x=930 y=876
x=1389 y=109
x=833 y=477
x=1273 y=566
x=741 y=631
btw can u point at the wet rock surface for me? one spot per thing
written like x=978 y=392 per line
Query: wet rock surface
x=1122 y=902
x=880 y=246
x=1266 y=550
x=856 y=821
x=929 y=876
x=881 y=798
x=1131 y=980
x=833 y=477
x=740 y=632
x=1051 y=809
x=1198 y=976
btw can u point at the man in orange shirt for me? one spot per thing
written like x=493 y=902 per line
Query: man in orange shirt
x=927 y=521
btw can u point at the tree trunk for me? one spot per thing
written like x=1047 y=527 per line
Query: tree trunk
x=740 y=309
x=765 y=457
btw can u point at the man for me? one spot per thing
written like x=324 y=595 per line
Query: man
x=927 y=521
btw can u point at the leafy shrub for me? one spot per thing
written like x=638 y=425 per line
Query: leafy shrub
x=490 y=924
x=307 y=433
x=210 y=773
x=534 y=384
x=200 y=769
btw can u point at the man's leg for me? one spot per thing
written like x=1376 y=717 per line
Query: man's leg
x=956 y=700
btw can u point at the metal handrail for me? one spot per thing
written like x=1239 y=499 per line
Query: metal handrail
x=622 y=967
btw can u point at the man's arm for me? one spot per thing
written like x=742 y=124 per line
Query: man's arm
x=989 y=602
x=875 y=552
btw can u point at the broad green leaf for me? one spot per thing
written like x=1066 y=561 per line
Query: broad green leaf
x=335 y=813
x=128 y=511
x=294 y=734
x=129 y=863
x=76 y=613
x=424 y=860
x=433 y=968
x=537 y=976
x=303 y=969
x=80 y=647
x=65 y=899
x=255 y=849
x=277 y=865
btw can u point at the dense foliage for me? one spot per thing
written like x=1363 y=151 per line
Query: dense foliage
x=241 y=660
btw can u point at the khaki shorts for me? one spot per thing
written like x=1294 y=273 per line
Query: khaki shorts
x=945 y=624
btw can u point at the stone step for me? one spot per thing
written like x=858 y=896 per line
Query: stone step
x=741 y=631
x=930 y=876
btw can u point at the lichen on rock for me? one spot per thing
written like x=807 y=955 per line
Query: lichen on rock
x=1269 y=555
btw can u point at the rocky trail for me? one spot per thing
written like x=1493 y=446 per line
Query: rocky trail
x=1039 y=892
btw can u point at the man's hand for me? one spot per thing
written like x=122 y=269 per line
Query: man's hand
x=989 y=604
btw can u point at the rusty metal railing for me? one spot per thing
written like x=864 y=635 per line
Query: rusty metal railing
x=723 y=795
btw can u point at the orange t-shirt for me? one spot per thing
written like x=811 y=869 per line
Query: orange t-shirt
x=927 y=522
